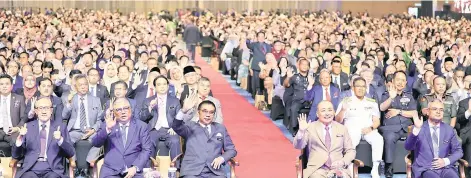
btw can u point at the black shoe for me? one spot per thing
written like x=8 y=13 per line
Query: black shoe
x=77 y=172
x=388 y=170
x=84 y=173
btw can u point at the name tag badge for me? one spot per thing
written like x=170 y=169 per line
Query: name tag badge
x=404 y=100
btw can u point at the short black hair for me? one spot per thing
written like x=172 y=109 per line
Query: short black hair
x=121 y=83
x=44 y=79
x=89 y=70
x=399 y=72
x=7 y=77
x=358 y=79
x=158 y=77
x=46 y=64
x=74 y=72
x=205 y=102
x=155 y=69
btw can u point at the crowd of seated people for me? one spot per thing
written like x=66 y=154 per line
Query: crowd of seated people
x=121 y=83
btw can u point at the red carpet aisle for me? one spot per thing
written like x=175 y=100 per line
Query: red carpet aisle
x=263 y=151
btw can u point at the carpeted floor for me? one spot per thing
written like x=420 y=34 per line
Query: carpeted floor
x=263 y=151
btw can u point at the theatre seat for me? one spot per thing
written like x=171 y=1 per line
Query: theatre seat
x=461 y=164
x=81 y=150
x=301 y=164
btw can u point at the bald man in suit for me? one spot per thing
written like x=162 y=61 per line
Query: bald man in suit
x=329 y=145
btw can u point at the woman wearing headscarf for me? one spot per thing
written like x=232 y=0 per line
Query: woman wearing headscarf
x=110 y=75
x=29 y=89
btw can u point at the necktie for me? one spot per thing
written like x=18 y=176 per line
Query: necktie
x=327 y=94
x=83 y=116
x=327 y=144
x=262 y=48
x=42 y=136
x=335 y=81
x=435 y=141
x=206 y=130
x=4 y=114
x=93 y=91
x=192 y=90
x=151 y=92
x=123 y=134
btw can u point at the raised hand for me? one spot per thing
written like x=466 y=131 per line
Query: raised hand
x=392 y=92
x=303 y=124
x=189 y=102
x=23 y=130
x=57 y=133
x=71 y=96
x=290 y=72
x=153 y=103
x=310 y=80
x=418 y=121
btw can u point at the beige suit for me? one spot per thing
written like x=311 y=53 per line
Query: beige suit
x=341 y=148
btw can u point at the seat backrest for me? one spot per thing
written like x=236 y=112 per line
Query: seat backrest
x=5 y=167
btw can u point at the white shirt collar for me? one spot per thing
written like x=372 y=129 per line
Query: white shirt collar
x=48 y=124
x=7 y=97
x=127 y=124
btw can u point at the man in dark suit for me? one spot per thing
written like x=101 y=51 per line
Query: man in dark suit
x=66 y=87
x=145 y=91
x=160 y=111
x=43 y=145
x=120 y=91
x=126 y=142
x=13 y=68
x=151 y=66
x=325 y=91
x=191 y=78
x=259 y=50
x=84 y=113
x=96 y=89
x=191 y=36
x=463 y=117
x=339 y=78
x=208 y=144
x=132 y=83
x=12 y=110
x=435 y=145
x=45 y=90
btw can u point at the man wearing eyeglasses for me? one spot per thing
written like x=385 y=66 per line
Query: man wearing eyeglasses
x=83 y=111
x=43 y=144
x=361 y=116
x=204 y=87
x=208 y=144
x=160 y=111
x=435 y=145
x=126 y=142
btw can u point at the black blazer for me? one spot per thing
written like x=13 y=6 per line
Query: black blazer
x=344 y=85
x=129 y=94
x=186 y=92
x=102 y=93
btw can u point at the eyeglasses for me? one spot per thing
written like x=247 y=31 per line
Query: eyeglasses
x=359 y=86
x=207 y=112
x=43 y=107
x=122 y=109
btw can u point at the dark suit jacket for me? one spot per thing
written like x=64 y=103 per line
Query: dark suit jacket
x=172 y=107
x=343 y=82
x=135 y=152
x=201 y=149
x=129 y=94
x=315 y=96
x=18 y=83
x=31 y=148
x=461 y=118
x=17 y=110
x=57 y=89
x=102 y=93
x=258 y=53
x=192 y=34
x=186 y=92
x=422 y=145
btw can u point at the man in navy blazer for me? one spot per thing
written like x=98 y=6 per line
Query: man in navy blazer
x=145 y=91
x=318 y=93
x=160 y=111
x=208 y=144
x=436 y=148
x=43 y=144
x=126 y=142
x=13 y=68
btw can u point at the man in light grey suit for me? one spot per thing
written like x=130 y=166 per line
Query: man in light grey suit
x=83 y=111
x=208 y=144
x=204 y=87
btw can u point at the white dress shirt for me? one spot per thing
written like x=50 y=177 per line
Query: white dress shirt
x=162 y=108
x=208 y=127
x=5 y=113
x=94 y=89
x=85 y=104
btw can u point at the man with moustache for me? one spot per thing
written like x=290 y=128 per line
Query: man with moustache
x=435 y=145
x=329 y=144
